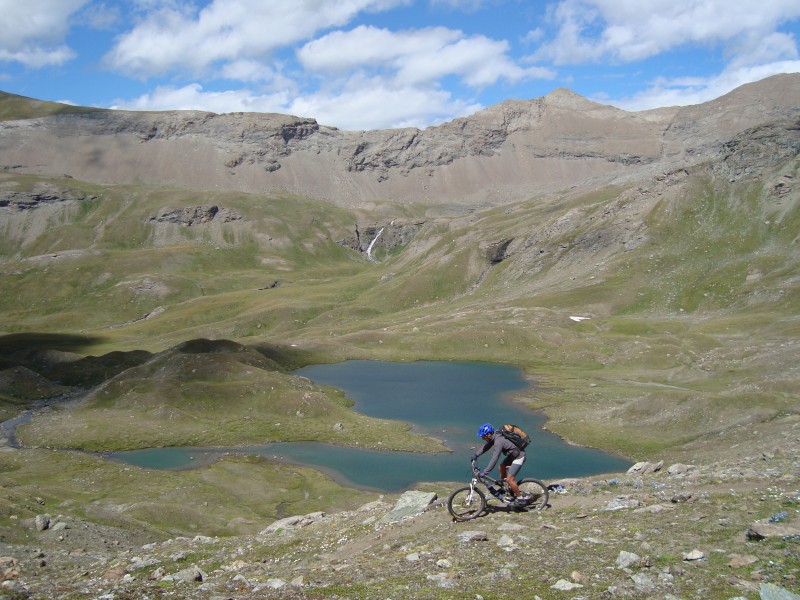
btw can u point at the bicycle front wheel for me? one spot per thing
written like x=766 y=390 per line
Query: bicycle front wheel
x=537 y=493
x=466 y=503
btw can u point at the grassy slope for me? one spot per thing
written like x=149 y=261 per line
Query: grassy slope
x=14 y=107
x=692 y=336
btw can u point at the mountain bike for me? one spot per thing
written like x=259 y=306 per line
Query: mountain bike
x=471 y=501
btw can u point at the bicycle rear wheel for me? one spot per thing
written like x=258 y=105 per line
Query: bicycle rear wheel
x=536 y=491
x=466 y=503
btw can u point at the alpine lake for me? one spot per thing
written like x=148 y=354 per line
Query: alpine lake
x=447 y=400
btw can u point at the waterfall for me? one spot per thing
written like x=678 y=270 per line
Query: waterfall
x=372 y=243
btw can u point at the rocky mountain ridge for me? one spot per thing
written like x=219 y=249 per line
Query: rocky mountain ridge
x=508 y=152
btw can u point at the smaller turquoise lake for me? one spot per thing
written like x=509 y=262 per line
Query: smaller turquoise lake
x=447 y=400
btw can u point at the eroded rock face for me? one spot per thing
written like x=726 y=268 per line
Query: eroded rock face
x=195 y=215
x=509 y=152
x=41 y=195
x=760 y=148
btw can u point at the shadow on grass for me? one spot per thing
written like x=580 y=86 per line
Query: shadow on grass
x=41 y=352
x=23 y=343
x=58 y=357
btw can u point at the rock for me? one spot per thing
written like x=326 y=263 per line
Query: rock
x=195 y=215
x=643 y=582
x=276 y=583
x=678 y=469
x=642 y=468
x=193 y=573
x=563 y=585
x=411 y=503
x=737 y=560
x=369 y=506
x=472 y=536
x=505 y=541
x=293 y=522
x=203 y=539
x=16 y=587
x=760 y=531
x=681 y=497
x=627 y=559
x=655 y=508
x=770 y=591
x=443 y=563
x=579 y=577
x=115 y=573
x=443 y=580
x=694 y=555
x=622 y=502
x=510 y=527
x=41 y=522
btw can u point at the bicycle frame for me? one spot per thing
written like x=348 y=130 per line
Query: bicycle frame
x=470 y=501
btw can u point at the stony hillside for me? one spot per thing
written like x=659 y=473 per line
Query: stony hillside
x=721 y=531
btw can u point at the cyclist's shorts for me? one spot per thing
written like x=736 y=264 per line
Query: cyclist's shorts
x=514 y=464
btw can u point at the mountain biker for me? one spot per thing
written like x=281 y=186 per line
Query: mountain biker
x=510 y=466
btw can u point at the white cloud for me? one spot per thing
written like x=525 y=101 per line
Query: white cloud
x=174 y=39
x=375 y=104
x=628 y=30
x=100 y=16
x=33 y=32
x=467 y=5
x=685 y=91
x=192 y=97
x=416 y=57
x=361 y=105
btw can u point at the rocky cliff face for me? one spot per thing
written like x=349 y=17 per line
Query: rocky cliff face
x=511 y=151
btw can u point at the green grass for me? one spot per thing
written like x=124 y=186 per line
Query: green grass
x=14 y=107
x=233 y=496
x=686 y=322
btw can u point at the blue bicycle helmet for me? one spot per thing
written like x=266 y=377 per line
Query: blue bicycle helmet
x=485 y=429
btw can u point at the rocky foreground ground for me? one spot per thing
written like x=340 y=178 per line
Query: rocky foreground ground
x=658 y=531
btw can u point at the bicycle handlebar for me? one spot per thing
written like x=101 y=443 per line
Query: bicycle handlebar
x=476 y=471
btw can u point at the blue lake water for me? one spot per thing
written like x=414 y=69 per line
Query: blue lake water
x=447 y=400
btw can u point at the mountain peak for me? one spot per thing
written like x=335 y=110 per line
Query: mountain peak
x=566 y=98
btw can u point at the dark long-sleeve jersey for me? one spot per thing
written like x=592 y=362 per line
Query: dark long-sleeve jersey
x=501 y=445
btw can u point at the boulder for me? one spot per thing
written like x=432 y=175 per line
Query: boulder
x=411 y=503
x=622 y=502
x=41 y=522
x=472 y=536
x=642 y=468
x=760 y=531
x=627 y=559
x=694 y=555
x=293 y=522
x=678 y=469
x=563 y=585
x=770 y=591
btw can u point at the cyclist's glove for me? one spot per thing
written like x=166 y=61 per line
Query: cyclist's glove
x=473 y=458
x=481 y=474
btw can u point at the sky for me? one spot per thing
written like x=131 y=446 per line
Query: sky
x=379 y=64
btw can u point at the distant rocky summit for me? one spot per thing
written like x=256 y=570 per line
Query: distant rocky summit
x=512 y=151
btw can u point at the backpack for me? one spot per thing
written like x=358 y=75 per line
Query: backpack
x=515 y=435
